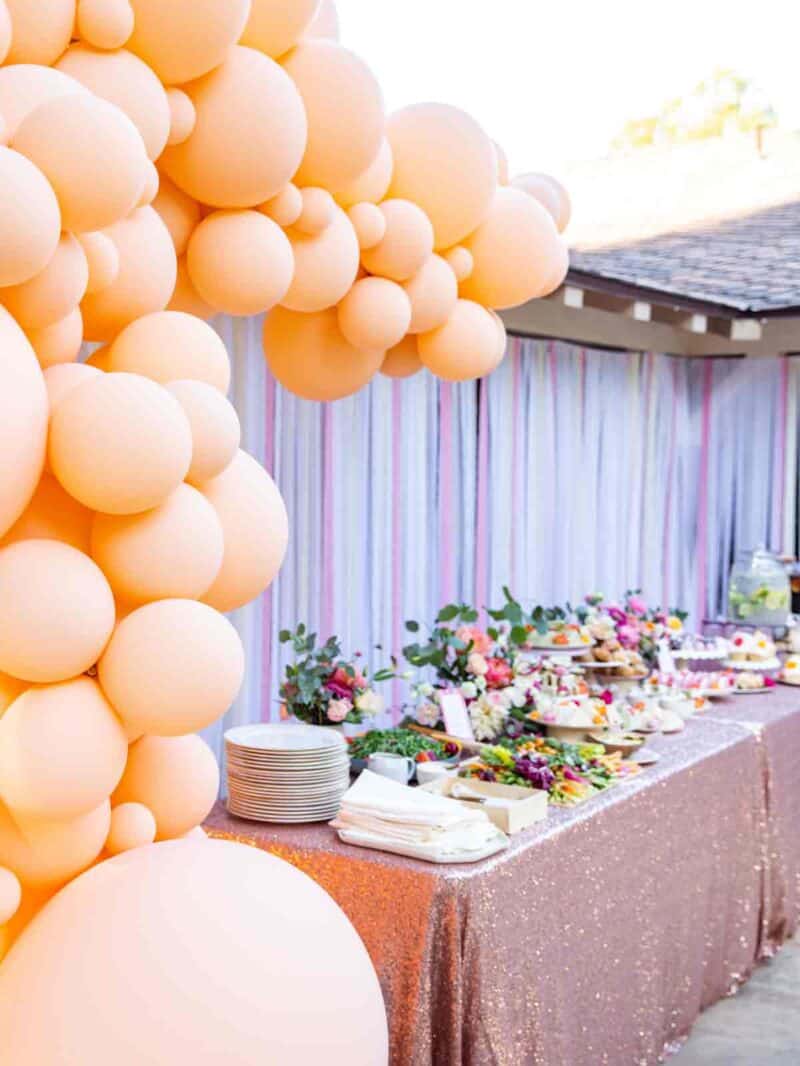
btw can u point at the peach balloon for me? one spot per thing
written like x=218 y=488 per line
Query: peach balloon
x=325 y=23
x=173 y=550
x=102 y=260
x=460 y=261
x=170 y=345
x=375 y=314
x=344 y=108
x=248 y=959
x=274 y=26
x=433 y=292
x=104 y=23
x=30 y=221
x=372 y=184
x=60 y=379
x=40 y=31
x=98 y=360
x=124 y=80
x=249 y=134
x=405 y=246
x=44 y=635
x=550 y=193
x=240 y=262
x=60 y=342
x=558 y=272
x=149 y=189
x=182 y=39
x=502 y=337
x=186 y=297
x=172 y=667
x=465 y=347
x=5 y=34
x=147 y=271
x=176 y=778
x=52 y=293
x=317 y=211
x=10 y=895
x=119 y=443
x=215 y=428
x=256 y=531
x=179 y=213
x=52 y=514
x=444 y=162
x=309 y=356
x=513 y=251
x=369 y=223
x=182 y=116
x=286 y=207
x=325 y=265
x=25 y=85
x=45 y=854
x=132 y=826
x=403 y=360
x=92 y=155
x=23 y=421
x=502 y=164
x=62 y=751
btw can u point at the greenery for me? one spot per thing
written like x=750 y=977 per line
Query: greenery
x=401 y=742
x=443 y=650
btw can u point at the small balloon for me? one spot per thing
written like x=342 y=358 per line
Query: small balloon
x=403 y=360
x=132 y=826
x=168 y=346
x=286 y=207
x=59 y=342
x=369 y=223
x=375 y=314
x=460 y=261
x=104 y=23
x=550 y=193
x=317 y=211
x=102 y=260
x=405 y=246
x=182 y=116
x=325 y=265
x=56 y=290
x=433 y=292
x=274 y=26
x=215 y=428
x=465 y=347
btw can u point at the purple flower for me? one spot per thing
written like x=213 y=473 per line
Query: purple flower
x=628 y=636
x=637 y=605
x=342 y=692
x=617 y=614
x=535 y=770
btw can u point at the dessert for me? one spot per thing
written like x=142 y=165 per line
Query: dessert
x=748 y=681
x=755 y=647
x=713 y=682
x=560 y=635
x=791 y=671
x=695 y=646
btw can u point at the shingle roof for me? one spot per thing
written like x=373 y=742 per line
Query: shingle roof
x=748 y=264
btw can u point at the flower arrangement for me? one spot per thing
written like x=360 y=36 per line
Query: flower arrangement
x=629 y=631
x=323 y=688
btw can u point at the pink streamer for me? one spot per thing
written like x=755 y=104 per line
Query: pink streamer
x=447 y=547
x=515 y=450
x=482 y=508
x=328 y=524
x=266 y=600
x=397 y=539
x=702 y=492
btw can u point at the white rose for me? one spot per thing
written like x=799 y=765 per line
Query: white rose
x=517 y=697
x=369 y=702
x=476 y=664
x=469 y=690
x=427 y=714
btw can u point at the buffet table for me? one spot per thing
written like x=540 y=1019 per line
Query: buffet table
x=597 y=937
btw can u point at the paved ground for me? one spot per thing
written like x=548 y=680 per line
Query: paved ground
x=760 y=1026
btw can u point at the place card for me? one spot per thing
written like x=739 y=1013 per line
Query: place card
x=456 y=716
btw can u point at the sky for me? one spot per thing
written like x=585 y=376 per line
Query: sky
x=553 y=81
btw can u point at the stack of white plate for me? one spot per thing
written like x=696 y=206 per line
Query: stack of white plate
x=286 y=772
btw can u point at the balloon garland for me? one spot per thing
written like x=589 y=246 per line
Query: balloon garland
x=162 y=161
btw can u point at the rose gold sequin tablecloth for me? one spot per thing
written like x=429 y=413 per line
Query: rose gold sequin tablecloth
x=597 y=937
x=775 y=720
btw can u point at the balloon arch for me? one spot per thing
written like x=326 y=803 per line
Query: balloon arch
x=163 y=161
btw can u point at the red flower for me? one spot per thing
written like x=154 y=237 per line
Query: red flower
x=499 y=674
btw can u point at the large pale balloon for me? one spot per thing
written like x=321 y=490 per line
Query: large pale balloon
x=325 y=265
x=146 y=279
x=44 y=635
x=182 y=39
x=372 y=184
x=176 y=778
x=465 y=347
x=444 y=162
x=25 y=85
x=168 y=346
x=249 y=134
x=59 y=342
x=403 y=360
x=40 y=30
x=256 y=531
x=173 y=550
x=172 y=667
x=375 y=314
x=406 y=244
x=124 y=80
x=30 y=221
x=62 y=751
x=179 y=212
x=215 y=428
x=274 y=26
x=292 y=982
x=550 y=193
x=132 y=826
x=60 y=379
x=433 y=292
x=92 y=155
x=23 y=420
x=344 y=107
x=44 y=854
x=52 y=514
x=119 y=443
x=240 y=262
x=514 y=251
x=309 y=356
x=56 y=290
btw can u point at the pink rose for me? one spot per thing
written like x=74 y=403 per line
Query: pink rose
x=475 y=635
x=498 y=673
x=476 y=664
x=628 y=636
x=338 y=710
x=637 y=605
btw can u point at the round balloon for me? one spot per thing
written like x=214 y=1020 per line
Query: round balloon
x=60 y=342
x=316 y=212
x=249 y=134
x=56 y=611
x=132 y=826
x=179 y=213
x=344 y=108
x=459 y=260
x=255 y=528
x=104 y=23
x=124 y=80
x=186 y=297
x=406 y=244
x=25 y=85
x=325 y=265
x=92 y=155
x=215 y=428
x=56 y=290
x=169 y=345
x=40 y=31
x=62 y=751
x=403 y=360
x=240 y=262
x=369 y=222
x=52 y=514
x=286 y=207
x=102 y=260
x=465 y=347
x=47 y=853
x=182 y=116
x=433 y=292
x=119 y=443
x=325 y=23
x=60 y=379
x=372 y=184
x=550 y=193
x=30 y=221
x=274 y=26
x=172 y=667
x=182 y=39
x=175 y=778
x=444 y=162
x=146 y=279
x=375 y=314
x=172 y=550
x=309 y=356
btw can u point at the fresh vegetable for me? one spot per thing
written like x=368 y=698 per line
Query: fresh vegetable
x=407 y=742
